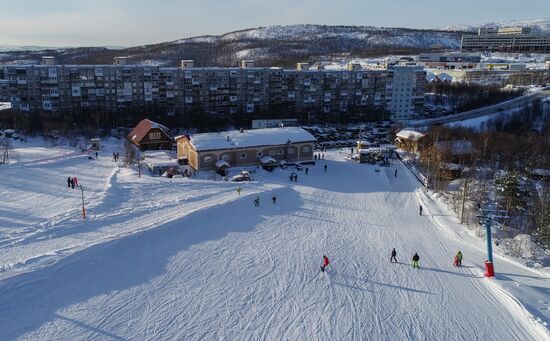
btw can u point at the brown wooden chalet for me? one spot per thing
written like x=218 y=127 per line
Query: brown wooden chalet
x=149 y=135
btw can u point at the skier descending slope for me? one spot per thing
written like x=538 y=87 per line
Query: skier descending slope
x=416 y=258
x=325 y=263
x=393 y=256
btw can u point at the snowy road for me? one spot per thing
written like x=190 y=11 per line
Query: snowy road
x=200 y=262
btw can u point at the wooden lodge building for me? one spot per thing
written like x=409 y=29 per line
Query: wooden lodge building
x=149 y=135
x=245 y=147
x=410 y=140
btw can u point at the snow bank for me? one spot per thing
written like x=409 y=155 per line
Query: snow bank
x=523 y=248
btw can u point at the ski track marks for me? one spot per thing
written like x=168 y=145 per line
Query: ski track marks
x=190 y=259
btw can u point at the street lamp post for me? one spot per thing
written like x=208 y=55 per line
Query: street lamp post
x=139 y=165
x=83 y=208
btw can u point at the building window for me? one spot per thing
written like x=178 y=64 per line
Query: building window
x=305 y=149
x=280 y=152
x=207 y=159
x=258 y=154
x=225 y=157
x=290 y=151
x=243 y=155
x=272 y=152
x=154 y=136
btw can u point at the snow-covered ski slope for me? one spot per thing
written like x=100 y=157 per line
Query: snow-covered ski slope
x=190 y=259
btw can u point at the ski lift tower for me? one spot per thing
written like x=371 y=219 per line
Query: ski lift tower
x=486 y=217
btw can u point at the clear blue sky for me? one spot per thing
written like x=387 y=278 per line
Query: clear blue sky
x=136 y=22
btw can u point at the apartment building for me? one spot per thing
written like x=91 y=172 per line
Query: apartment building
x=506 y=39
x=4 y=94
x=216 y=92
x=405 y=91
x=450 y=61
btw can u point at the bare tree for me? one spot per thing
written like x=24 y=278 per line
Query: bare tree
x=6 y=150
x=130 y=154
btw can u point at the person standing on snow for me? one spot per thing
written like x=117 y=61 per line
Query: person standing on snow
x=395 y=174
x=274 y=198
x=416 y=258
x=393 y=255
x=72 y=183
x=325 y=263
x=307 y=170
x=420 y=209
x=325 y=168
x=459 y=258
x=257 y=201
x=69 y=182
x=75 y=181
x=239 y=190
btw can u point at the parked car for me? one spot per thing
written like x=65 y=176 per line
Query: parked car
x=244 y=176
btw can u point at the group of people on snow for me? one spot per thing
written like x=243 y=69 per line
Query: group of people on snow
x=256 y=201
x=415 y=258
x=393 y=258
x=458 y=259
x=116 y=156
x=72 y=182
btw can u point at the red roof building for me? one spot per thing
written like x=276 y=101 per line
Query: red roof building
x=149 y=135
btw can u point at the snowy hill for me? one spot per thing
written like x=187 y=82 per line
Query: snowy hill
x=536 y=25
x=6 y=48
x=273 y=45
x=375 y=36
x=191 y=259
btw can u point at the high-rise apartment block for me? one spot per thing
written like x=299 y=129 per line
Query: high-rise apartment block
x=217 y=92
x=506 y=39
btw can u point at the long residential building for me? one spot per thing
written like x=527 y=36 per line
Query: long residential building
x=246 y=147
x=216 y=92
x=506 y=39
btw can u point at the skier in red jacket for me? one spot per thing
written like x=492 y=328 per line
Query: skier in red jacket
x=325 y=263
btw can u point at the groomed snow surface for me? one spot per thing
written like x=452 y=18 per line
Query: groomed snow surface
x=191 y=259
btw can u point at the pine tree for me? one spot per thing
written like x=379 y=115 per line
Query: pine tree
x=511 y=193
x=541 y=215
